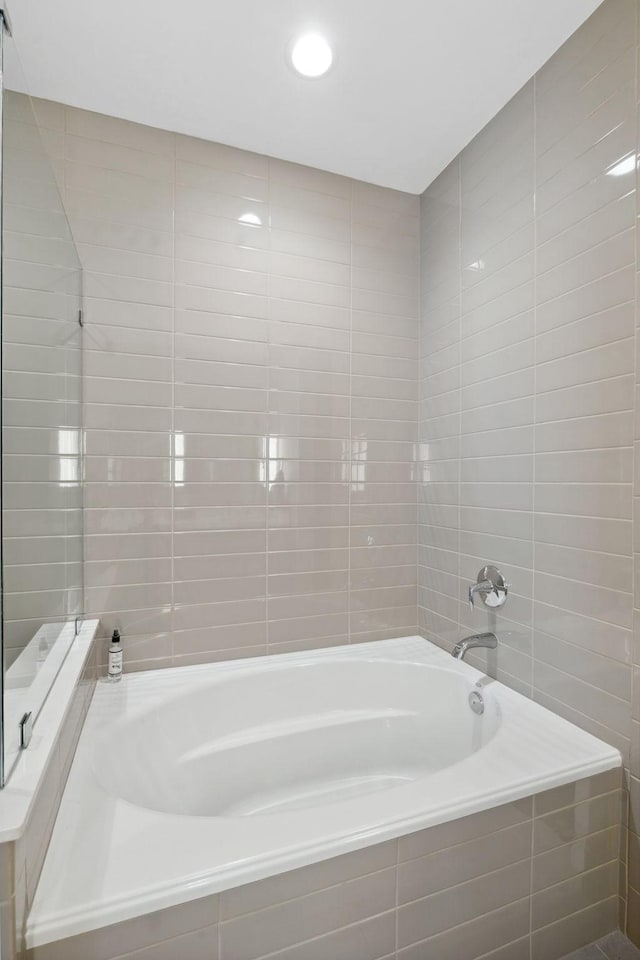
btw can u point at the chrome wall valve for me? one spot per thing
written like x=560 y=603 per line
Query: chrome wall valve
x=490 y=586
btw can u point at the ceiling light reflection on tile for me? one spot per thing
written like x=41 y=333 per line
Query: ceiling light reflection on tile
x=251 y=218
x=69 y=457
x=622 y=167
x=178 y=459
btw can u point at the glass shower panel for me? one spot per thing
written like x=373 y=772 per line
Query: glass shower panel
x=41 y=411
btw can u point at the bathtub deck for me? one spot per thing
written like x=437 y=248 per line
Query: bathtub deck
x=613 y=947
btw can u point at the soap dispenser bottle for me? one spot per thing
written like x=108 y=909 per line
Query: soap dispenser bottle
x=115 y=658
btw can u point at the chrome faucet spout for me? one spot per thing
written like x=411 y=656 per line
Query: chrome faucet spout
x=488 y=640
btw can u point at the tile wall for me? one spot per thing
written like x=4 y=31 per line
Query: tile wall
x=536 y=879
x=529 y=398
x=251 y=378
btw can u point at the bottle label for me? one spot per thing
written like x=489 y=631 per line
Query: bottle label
x=115 y=664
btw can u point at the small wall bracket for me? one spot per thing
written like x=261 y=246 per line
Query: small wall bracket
x=26 y=730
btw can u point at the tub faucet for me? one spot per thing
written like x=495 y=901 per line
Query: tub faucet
x=488 y=640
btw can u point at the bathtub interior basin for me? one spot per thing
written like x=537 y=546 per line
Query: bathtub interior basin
x=287 y=738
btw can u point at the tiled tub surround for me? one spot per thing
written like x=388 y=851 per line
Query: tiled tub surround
x=529 y=397
x=121 y=850
x=467 y=889
x=251 y=360
x=29 y=803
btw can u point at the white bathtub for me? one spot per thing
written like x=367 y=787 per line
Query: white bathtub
x=194 y=780
x=293 y=736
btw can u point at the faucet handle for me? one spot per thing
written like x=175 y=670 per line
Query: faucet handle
x=483 y=587
x=491 y=586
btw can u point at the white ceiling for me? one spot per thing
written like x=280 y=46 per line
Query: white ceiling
x=413 y=81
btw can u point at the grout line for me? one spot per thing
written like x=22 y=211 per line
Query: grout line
x=417 y=458
x=459 y=392
x=625 y=826
x=267 y=449
x=397 y=899
x=172 y=452
x=350 y=460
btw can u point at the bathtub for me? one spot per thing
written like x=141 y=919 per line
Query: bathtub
x=195 y=780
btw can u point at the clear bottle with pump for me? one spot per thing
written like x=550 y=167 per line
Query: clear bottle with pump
x=114 y=674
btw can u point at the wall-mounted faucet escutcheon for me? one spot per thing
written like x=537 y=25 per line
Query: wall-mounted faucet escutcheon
x=490 y=586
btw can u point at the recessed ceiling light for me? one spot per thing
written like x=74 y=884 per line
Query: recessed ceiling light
x=311 y=55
